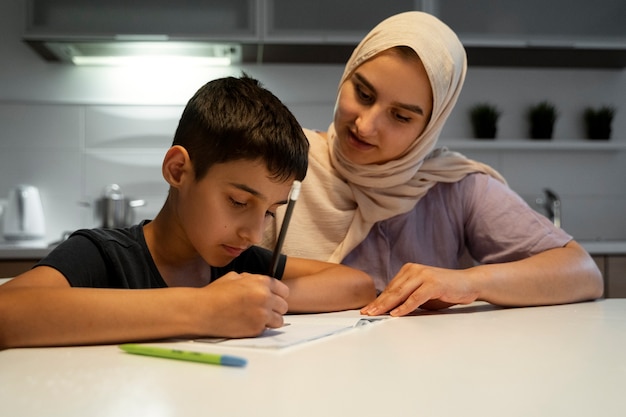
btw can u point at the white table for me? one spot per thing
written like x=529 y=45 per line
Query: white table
x=471 y=361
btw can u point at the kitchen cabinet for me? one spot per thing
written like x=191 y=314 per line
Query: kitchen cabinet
x=616 y=276
x=228 y=20
x=15 y=258
x=613 y=268
x=320 y=31
x=12 y=267
x=480 y=22
x=328 y=21
x=558 y=33
x=538 y=33
x=536 y=22
x=145 y=19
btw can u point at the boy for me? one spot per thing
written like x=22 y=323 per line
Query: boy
x=235 y=154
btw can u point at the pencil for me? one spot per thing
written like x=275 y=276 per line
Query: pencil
x=293 y=196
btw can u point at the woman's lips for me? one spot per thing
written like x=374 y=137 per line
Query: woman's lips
x=358 y=143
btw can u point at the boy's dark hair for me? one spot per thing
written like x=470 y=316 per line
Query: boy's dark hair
x=232 y=119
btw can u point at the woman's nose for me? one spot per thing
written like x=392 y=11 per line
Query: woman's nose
x=367 y=122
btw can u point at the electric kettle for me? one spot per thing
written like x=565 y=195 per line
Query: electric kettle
x=23 y=215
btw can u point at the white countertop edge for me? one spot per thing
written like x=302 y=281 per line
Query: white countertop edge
x=17 y=252
x=604 y=247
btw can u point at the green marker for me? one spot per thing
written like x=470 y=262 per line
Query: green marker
x=184 y=355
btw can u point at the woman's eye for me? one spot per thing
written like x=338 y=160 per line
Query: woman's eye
x=362 y=94
x=402 y=118
x=270 y=214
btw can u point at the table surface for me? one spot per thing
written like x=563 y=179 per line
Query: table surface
x=476 y=360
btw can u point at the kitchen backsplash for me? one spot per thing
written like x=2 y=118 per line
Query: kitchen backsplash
x=70 y=130
x=71 y=152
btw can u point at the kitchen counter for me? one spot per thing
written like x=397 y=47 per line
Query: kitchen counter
x=475 y=360
x=38 y=250
x=24 y=250
x=605 y=247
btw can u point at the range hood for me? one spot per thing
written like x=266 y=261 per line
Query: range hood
x=94 y=52
x=224 y=53
x=129 y=51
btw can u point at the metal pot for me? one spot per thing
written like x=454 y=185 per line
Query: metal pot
x=114 y=209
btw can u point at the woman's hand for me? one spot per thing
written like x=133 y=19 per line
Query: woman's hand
x=555 y=276
x=418 y=285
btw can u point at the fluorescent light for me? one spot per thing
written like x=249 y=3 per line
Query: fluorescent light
x=127 y=53
x=152 y=60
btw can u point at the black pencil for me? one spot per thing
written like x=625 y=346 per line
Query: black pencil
x=293 y=196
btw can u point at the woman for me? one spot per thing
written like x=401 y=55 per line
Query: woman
x=379 y=197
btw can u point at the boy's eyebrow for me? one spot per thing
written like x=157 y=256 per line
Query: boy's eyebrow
x=410 y=107
x=254 y=192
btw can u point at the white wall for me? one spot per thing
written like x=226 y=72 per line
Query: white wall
x=70 y=131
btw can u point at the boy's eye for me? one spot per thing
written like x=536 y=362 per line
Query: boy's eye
x=239 y=204
x=236 y=203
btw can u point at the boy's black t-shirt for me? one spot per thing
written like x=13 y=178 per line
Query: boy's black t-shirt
x=119 y=258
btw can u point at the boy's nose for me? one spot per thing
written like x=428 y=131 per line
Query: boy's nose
x=253 y=231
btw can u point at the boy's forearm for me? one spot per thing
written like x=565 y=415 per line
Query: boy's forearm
x=81 y=316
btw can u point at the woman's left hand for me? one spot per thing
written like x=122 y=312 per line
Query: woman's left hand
x=418 y=285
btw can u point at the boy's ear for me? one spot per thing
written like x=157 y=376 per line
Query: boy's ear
x=176 y=165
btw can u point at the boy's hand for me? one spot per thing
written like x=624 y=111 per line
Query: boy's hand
x=243 y=305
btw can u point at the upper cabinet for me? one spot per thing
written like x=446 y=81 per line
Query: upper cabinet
x=579 y=33
x=567 y=23
x=543 y=33
x=329 y=21
x=320 y=31
x=143 y=19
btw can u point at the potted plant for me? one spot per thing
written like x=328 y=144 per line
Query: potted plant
x=542 y=117
x=598 y=122
x=484 y=118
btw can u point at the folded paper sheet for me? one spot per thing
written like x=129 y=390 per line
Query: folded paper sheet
x=298 y=329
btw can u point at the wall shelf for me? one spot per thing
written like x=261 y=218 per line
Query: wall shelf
x=534 y=145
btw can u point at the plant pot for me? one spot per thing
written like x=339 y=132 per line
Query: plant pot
x=485 y=132
x=541 y=130
x=599 y=132
x=484 y=118
x=598 y=123
x=542 y=117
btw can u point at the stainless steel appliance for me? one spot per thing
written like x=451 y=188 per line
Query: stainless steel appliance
x=114 y=209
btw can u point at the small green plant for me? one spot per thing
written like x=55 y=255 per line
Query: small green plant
x=598 y=122
x=484 y=118
x=542 y=117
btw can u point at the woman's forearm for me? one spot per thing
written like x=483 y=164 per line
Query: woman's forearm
x=556 y=276
x=332 y=288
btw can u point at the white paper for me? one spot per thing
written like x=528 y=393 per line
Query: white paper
x=297 y=329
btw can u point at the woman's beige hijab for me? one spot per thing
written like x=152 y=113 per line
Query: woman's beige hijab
x=340 y=201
